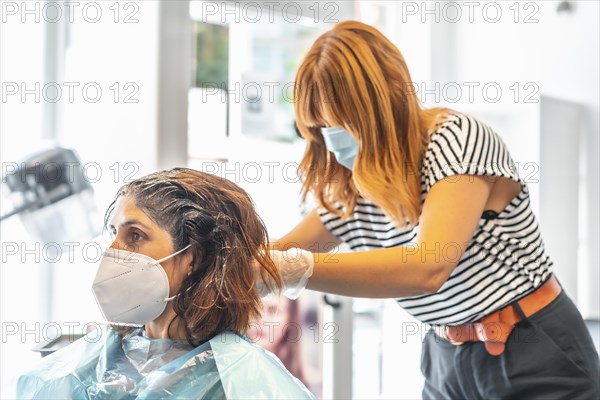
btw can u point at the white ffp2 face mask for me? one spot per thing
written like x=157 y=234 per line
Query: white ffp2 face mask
x=131 y=288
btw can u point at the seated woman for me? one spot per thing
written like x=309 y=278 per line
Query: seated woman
x=178 y=284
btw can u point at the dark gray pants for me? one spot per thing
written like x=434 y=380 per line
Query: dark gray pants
x=550 y=355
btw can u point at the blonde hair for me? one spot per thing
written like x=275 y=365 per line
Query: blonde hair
x=354 y=77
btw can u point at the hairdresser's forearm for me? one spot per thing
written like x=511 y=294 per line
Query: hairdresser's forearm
x=309 y=234
x=385 y=273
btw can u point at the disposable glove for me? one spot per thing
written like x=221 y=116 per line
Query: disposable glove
x=295 y=267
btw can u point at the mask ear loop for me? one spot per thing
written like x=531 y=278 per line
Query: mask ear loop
x=174 y=254
x=172 y=297
x=170 y=256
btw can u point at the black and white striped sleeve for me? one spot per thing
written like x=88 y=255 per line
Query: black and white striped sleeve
x=466 y=146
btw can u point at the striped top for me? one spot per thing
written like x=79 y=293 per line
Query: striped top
x=505 y=259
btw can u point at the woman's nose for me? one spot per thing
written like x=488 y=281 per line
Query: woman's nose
x=117 y=245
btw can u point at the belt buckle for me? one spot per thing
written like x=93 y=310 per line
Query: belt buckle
x=442 y=332
x=451 y=337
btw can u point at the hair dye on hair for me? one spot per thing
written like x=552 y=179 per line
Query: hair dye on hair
x=218 y=219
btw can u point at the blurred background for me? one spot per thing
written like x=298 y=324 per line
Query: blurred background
x=95 y=94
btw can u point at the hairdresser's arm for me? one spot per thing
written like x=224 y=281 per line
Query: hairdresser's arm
x=310 y=234
x=448 y=220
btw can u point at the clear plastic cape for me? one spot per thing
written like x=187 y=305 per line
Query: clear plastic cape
x=108 y=365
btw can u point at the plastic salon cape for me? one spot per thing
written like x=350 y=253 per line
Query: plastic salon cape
x=107 y=365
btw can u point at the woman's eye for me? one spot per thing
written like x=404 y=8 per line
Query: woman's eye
x=136 y=236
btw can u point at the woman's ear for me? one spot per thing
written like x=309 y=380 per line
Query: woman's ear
x=190 y=265
x=188 y=259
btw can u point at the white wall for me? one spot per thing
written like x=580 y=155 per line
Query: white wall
x=570 y=50
x=22 y=67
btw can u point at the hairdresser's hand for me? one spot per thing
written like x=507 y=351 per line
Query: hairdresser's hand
x=295 y=267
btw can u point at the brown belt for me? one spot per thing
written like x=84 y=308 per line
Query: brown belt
x=494 y=329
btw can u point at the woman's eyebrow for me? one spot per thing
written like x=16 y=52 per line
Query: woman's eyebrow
x=130 y=222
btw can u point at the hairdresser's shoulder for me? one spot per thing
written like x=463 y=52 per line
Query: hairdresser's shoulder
x=459 y=130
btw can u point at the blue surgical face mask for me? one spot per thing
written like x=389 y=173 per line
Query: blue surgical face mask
x=341 y=144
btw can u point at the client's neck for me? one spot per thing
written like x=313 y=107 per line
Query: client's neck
x=162 y=327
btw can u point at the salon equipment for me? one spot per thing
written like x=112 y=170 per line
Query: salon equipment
x=51 y=193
